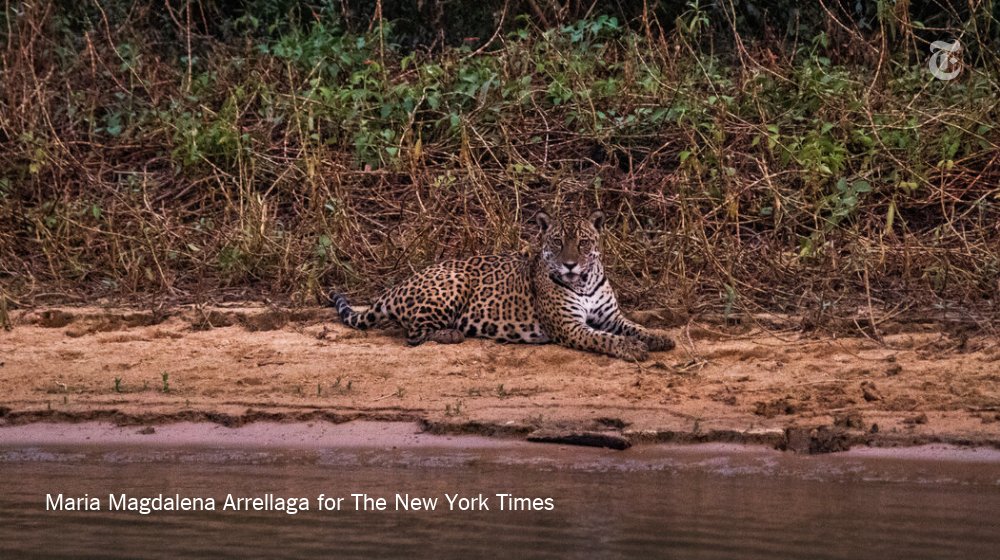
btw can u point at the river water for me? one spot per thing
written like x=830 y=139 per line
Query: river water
x=671 y=502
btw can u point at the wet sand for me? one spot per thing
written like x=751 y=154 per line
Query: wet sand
x=763 y=382
x=383 y=436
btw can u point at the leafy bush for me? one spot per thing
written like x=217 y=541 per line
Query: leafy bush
x=281 y=147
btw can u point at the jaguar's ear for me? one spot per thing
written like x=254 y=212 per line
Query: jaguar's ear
x=597 y=218
x=543 y=221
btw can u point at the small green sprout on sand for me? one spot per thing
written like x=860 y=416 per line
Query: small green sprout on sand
x=450 y=410
x=118 y=384
x=166 y=382
x=339 y=387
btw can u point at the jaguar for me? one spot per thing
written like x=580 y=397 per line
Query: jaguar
x=556 y=292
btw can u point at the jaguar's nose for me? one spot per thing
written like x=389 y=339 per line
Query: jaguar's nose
x=570 y=266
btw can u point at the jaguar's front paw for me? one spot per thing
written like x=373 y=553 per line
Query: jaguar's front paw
x=447 y=336
x=658 y=342
x=631 y=349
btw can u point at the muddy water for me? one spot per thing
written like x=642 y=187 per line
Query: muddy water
x=704 y=502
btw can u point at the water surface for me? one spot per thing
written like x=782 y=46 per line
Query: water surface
x=711 y=502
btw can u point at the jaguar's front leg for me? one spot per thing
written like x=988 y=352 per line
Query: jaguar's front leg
x=583 y=337
x=656 y=341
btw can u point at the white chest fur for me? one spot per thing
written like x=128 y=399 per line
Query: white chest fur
x=597 y=307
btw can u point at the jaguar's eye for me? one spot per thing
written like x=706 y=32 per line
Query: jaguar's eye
x=586 y=246
x=557 y=241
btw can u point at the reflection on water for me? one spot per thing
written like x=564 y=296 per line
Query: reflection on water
x=642 y=503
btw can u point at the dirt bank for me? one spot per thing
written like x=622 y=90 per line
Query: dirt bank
x=753 y=383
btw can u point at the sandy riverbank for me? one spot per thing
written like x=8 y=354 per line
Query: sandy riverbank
x=752 y=383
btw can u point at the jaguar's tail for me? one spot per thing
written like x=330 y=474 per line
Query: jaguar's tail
x=351 y=317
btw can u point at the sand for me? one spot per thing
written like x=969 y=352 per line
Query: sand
x=764 y=381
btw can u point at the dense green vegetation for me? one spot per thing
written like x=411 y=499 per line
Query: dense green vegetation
x=751 y=156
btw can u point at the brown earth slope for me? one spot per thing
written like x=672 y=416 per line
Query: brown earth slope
x=744 y=383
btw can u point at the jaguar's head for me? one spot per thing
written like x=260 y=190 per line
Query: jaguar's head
x=571 y=248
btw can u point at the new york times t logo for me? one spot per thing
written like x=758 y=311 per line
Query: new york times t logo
x=945 y=62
